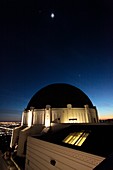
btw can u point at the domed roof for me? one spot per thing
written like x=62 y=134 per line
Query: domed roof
x=58 y=96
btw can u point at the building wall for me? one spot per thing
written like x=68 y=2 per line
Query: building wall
x=38 y=116
x=44 y=155
x=28 y=131
x=73 y=115
x=63 y=115
x=94 y=116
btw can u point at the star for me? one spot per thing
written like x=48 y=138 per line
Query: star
x=52 y=15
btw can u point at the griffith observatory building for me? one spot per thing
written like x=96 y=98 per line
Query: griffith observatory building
x=60 y=129
x=59 y=103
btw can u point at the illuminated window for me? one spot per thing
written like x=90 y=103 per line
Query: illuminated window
x=76 y=138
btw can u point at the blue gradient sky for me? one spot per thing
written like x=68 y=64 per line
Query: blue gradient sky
x=74 y=47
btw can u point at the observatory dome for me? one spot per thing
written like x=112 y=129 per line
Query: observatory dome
x=58 y=95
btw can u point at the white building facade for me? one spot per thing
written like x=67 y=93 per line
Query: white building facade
x=59 y=115
x=56 y=103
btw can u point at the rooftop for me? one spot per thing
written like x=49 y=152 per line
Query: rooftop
x=97 y=138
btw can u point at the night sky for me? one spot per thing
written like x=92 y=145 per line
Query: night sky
x=74 y=47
